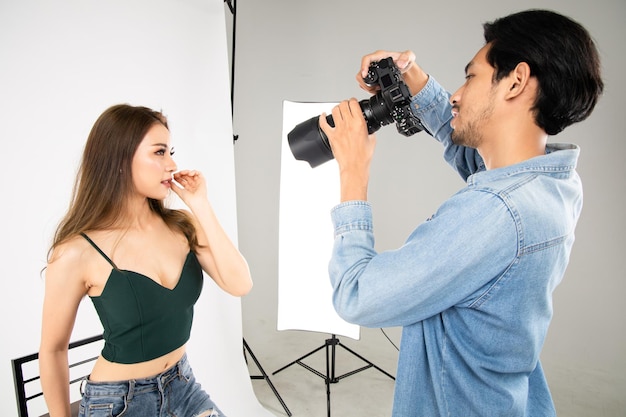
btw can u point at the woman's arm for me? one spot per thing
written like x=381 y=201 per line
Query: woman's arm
x=64 y=288
x=219 y=257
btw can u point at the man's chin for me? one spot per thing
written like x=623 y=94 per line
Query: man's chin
x=456 y=138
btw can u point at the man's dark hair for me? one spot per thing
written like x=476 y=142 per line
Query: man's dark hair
x=561 y=55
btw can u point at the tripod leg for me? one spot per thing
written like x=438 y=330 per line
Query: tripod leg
x=334 y=341
x=266 y=377
x=366 y=361
x=328 y=377
x=298 y=360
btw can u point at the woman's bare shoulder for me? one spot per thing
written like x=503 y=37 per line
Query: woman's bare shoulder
x=73 y=258
x=71 y=251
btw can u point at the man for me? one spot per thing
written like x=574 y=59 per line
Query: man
x=472 y=287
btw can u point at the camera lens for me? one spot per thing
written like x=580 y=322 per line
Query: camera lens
x=309 y=143
x=376 y=113
x=391 y=103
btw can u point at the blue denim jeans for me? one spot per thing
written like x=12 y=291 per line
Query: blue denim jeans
x=174 y=392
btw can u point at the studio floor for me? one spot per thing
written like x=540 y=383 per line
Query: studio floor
x=365 y=393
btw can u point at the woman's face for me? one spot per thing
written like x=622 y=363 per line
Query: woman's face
x=152 y=165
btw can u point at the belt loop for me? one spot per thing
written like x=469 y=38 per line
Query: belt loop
x=179 y=369
x=81 y=387
x=131 y=389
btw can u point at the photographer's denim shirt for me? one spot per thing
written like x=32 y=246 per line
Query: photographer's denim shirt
x=472 y=286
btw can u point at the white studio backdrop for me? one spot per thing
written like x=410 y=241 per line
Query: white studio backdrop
x=305 y=235
x=62 y=65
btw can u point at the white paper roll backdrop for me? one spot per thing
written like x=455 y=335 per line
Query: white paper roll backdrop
x=306 y=235
x=63 y=63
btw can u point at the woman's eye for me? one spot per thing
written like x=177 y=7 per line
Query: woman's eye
x=163 y=151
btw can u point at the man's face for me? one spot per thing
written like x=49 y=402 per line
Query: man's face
x=473 y=104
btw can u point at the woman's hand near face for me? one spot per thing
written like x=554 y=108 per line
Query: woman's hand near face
x=192 y=186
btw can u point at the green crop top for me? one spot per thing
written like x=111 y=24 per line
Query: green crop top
x=143 y=320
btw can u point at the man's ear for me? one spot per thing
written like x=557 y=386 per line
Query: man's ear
x=518 y=80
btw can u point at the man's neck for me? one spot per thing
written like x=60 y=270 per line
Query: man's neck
x=513 y=145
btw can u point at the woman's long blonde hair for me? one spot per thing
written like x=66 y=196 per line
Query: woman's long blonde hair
x=104 y=181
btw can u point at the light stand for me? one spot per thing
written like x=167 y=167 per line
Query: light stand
x=330 y=377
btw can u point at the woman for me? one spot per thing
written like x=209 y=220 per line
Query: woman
x=141 y=264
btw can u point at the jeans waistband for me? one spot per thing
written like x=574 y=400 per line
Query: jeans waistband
x=136 y=386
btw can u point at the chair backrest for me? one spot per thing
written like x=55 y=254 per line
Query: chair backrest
x=26 y=371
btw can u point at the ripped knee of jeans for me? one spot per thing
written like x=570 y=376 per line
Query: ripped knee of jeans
x=208 y=413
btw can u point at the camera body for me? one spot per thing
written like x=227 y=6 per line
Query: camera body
x=392 y=103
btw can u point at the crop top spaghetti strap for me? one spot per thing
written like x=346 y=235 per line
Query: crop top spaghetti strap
x=143 y=320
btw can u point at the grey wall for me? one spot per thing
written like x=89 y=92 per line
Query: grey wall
x=311 y=50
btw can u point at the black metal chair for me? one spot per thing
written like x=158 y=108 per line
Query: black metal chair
x=26 y=374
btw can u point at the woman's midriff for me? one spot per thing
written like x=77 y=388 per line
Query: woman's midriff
x=105 y=371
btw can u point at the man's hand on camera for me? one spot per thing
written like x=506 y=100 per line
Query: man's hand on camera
x=352 y=148
x=414 y=77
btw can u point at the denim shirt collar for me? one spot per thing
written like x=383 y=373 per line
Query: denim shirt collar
x=560 y=159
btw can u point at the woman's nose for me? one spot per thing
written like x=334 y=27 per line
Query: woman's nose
x=171 y=165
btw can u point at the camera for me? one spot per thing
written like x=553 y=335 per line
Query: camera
x=392 y=103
